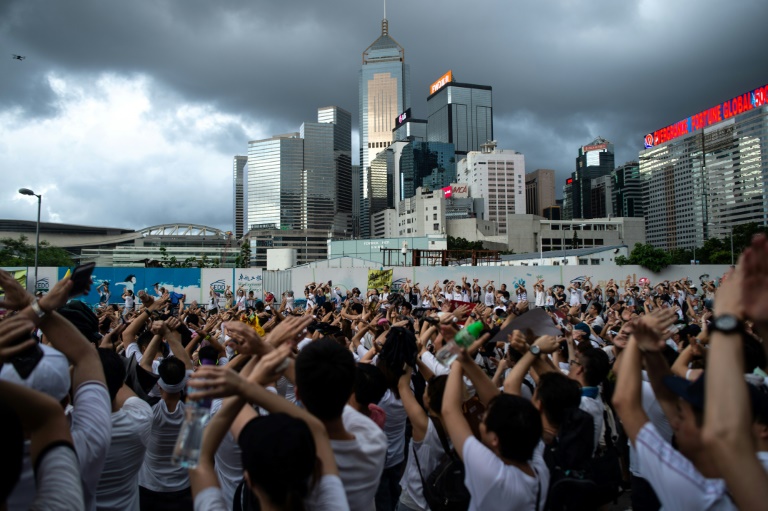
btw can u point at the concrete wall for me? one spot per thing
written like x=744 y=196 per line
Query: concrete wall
x=195 y=283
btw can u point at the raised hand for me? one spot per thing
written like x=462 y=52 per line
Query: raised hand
x=15 y=337
x=547 y=343
x=650 y=330
x=16 y=297
x=290 y=330
x=518 y=341
x=215 y=381
x=272 y=365
x=754 y=268
x=248 y=341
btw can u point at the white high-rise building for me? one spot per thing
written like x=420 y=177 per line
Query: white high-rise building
x=498 y=177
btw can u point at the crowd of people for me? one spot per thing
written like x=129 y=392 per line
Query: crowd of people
x=561 y=397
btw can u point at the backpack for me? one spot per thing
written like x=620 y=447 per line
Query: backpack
x=444 y=488
x=569 y=459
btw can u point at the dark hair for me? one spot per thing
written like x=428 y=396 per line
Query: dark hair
x=596 y=366
x=193 y=319
x=370 y=385
x=399 y=349
x=144 y=339
x=288 y=444
x=557 y=394
x=325 y=377
x=598 y=307
x=435 y=391
x=357 y=308
x=172 y=370
x=517 y=424
x=208 y=353
x=114 y=371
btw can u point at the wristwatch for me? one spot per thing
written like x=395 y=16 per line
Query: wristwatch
x=726 y=324
x=535 y=350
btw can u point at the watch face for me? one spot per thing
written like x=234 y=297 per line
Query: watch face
x=726 y=323
x=535 y=350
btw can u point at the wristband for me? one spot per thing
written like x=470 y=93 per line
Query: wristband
x=39 y=312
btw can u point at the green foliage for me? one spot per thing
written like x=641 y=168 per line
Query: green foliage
x=463 y=244
x=243 y=260
x=647 y=256
x=17 y=252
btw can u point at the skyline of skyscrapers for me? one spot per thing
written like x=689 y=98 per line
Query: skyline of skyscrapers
x=301 y=180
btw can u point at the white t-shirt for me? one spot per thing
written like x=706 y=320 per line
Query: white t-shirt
x=595 y=408
x=490 y=299
x=118 y=488
x=394 y=428
x=576 y=297
x=327 y=495
x=91 y=427
x=429 y=452
x=58 y=481
x=229 y=466
x=158 y=473
x=540 y=298
x=677 y=483
x=654 y=412
x=494 y=485
x=360 y=461
x=130 y=301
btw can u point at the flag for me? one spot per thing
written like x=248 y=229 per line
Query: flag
x=379 y=278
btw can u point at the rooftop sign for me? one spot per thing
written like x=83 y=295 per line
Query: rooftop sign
x=441 y=82
x=402 y=118
x=705 y=118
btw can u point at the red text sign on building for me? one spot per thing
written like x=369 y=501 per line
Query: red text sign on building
x=596 y=147
x=441 y=82
x=726 y=110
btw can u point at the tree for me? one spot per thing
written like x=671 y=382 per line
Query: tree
x=243 y=260
x=17 y=252
x=647 y=256
x=463 y=244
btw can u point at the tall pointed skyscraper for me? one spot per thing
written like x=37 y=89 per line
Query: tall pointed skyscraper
x=384 y=94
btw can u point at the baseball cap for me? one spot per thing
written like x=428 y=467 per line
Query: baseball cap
x=690 y=391
x=582 y=327
x=50 y=376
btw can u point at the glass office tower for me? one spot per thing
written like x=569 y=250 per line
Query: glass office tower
x=461 y=114
x=240 y=171
x=595 y=160
x=707 y=173
x=276 y=183
x=426 y=164
x=384 y=93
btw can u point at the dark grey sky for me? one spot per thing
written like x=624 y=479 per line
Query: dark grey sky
x=129 y=113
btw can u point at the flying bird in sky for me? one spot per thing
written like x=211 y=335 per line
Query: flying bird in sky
x=17 y=57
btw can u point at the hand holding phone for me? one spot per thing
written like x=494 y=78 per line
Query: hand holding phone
x=81 y=279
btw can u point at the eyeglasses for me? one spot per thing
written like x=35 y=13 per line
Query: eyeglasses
x=576 y=362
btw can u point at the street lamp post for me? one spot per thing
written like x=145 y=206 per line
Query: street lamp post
x=27 y=191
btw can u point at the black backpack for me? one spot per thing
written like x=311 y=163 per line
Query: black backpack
x=444 y=488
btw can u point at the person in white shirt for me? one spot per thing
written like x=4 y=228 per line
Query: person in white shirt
x=686 y=477
x=426 y=449
x=575 y=294
x=325 y=378
x=506 y=470
x=163 y=485
x=118 y=487
x=90 y=417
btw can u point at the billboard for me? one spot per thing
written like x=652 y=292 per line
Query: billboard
x=718 y=113
x=441 y=82
x=596 y=147
x=402 y=118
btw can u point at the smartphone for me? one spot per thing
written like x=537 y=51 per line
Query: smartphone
x=26 y=361
x=81 y=278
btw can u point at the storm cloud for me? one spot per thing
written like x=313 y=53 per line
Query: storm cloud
x=129 y=113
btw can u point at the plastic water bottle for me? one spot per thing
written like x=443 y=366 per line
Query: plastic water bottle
x=463 y=339
x=186 y=453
